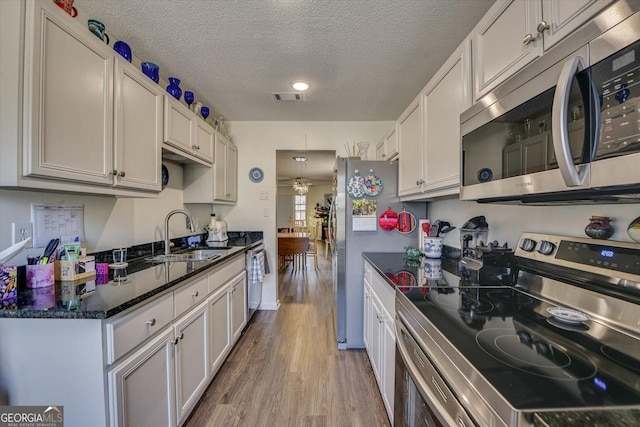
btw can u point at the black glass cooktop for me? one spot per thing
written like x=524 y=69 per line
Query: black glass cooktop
x=532 y=359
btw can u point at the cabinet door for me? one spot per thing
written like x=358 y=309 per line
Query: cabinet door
x=381 y=153
x=375 y=354
x=138 y=129
x=141 y=389
x=68 y=99
x=391 y=145
x=504 y=42
x=388 y=369
x=220 y=328
x=204 y=141
x=239 y=310
x=192 y=359
x=411 y=144
x=366 y=321
x=447 y=96
x=563 y=17
x=219 y=185
x=178 y=125
x=231 y=189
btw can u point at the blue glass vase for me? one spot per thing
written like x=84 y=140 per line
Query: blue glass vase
x=174 y=88
x=189 y=98
x=151 y=70
x=123 y=49
x=205 y=112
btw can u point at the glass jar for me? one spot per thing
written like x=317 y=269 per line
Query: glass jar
x=599 y=227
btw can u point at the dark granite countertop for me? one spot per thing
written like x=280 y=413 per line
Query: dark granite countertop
x=103 y=298
x=400 y=272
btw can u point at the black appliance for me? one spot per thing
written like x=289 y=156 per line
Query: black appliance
x=563 y=337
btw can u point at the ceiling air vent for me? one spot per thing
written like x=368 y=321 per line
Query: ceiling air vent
x=287 y=96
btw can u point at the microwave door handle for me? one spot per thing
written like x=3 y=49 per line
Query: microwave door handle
x=559 y=124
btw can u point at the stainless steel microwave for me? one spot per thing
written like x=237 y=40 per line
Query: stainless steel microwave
x=565 y=129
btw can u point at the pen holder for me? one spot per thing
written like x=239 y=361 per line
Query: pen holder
x=40 y=275
x=8 y=282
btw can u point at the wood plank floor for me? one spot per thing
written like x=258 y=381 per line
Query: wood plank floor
x=286 y=369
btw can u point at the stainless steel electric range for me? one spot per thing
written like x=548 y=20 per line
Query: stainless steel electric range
x=562 y=341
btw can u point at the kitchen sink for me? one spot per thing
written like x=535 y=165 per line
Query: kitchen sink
x=200 y=255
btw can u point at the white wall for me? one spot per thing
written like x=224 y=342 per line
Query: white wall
x=257 y=144
x=109 y=221
x=507 y=222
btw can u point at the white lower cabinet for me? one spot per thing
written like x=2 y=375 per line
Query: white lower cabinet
x=379 y=333
x=219 y=332
x=160 y=383
x=141 y=389
x=239 y=313
x=192 y=359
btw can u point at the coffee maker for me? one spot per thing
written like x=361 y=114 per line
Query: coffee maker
x=217 y=232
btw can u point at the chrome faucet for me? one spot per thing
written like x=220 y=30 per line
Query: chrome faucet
x=167 y=243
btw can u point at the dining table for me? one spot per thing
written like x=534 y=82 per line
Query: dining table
x=293 y=246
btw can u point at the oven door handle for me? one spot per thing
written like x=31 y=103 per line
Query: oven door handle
x=559 y=125
x=412 y=368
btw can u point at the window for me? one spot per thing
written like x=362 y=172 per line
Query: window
x=301 y=209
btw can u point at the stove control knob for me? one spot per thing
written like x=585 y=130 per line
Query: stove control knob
x=528 y=245
x=546 y=247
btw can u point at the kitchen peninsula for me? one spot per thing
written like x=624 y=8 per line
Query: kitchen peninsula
x=100 y=355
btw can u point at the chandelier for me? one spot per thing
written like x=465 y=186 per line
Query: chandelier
x=299 y=185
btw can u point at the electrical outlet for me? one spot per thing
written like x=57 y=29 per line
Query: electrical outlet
x=21 y=231
x=264 y=195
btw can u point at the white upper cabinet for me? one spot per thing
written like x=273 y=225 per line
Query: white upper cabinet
x=387 y=147
x=515 y=32
x=225 y=189
x=447 y=95
x=562 y=17
x=411 y=143
x=203 y=184
x=89 y=117
x=504 y=42
x=187 y=134
x=69 y=99
x=138 y=129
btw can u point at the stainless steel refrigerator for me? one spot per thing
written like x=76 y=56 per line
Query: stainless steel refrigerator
x=348 y=244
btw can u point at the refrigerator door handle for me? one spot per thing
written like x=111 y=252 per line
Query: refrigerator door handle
x=331 y=237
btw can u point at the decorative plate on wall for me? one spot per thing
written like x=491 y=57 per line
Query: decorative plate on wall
x=165 y=176
x=256 y=175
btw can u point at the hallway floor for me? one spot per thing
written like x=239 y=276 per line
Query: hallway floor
x=286 y=369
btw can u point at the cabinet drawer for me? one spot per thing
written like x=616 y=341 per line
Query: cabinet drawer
x=225 y=273
x=127 y=332
x=190 y=295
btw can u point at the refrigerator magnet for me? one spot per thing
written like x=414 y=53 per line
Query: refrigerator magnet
x=388 y=220
x=355 y=186
x=372 y=184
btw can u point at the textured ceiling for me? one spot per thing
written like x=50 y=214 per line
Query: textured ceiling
x=318 y=168
x=365 y=59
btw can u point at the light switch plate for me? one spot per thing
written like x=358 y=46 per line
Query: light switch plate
x=265 y=212
x=21 y=231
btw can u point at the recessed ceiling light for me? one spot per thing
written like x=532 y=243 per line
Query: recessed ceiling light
x=300 y=85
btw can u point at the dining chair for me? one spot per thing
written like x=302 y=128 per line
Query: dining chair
x=315 y=236
x=327 y=242
x=297 y=225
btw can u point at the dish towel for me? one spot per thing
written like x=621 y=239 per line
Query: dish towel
x=257 y=268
